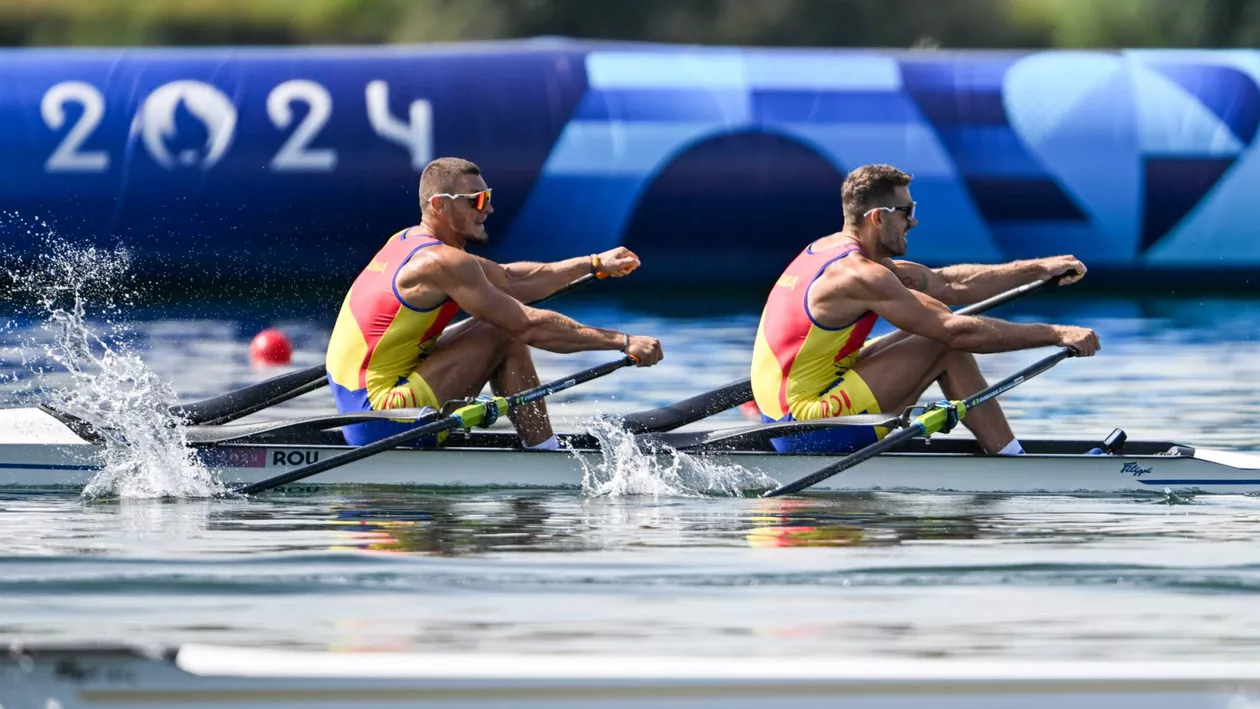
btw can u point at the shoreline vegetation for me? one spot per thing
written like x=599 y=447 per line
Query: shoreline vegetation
x=923 y=24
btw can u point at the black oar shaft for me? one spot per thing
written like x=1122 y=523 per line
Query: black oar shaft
x=889 y=442
x=448 y=423
x=919 y=428
x=1008 y=296
x=1018 y=378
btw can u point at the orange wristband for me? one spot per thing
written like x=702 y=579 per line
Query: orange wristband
x=595 y=264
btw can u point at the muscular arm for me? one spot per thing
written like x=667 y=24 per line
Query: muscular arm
x=465 y=280
x=920 y=314
x=965 y=284
x=528 y=280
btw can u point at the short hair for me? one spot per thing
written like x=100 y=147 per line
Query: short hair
x=870 y=186
x=440 y=176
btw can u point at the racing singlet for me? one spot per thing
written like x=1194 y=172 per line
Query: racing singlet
x=796 y=361
x=378 y=339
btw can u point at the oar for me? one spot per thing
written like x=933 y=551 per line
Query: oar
x=277 y=390
x=240 y=403
x=483 y=412
x=728 y=396
x=205 y=435
x=723 y=437
x=667 y=418
x=939 y=418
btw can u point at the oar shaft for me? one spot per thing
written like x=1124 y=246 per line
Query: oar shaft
x=892 y=440
x=350 y=456
x=1018 y=378
x=465 y=416
x=925 y=425
x=559 y=385
x=1008 y=296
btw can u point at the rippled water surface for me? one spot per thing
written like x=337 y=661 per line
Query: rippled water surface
x=566 y=572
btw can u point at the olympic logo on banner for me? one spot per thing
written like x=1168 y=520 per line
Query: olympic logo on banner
x=155 y=125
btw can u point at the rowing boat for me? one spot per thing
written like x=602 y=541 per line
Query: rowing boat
x=243 y=678
x=39 y=450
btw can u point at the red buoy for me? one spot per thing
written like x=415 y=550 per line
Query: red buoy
x=270 y=347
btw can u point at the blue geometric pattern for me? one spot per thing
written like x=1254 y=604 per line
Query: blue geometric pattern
x=851 y=108
x=1096 y=153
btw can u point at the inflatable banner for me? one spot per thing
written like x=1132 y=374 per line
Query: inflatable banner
x=716 y=164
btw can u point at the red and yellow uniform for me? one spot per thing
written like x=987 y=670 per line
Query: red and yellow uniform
x=379 y=340
x=802 y=370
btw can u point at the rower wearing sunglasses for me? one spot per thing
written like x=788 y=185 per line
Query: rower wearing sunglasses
x=388 y=349
x=812 y=359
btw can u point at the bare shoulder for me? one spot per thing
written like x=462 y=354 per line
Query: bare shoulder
x=914 y=276
x=856 y=278
x=436 y=274
x=436 y=264
x=844 y=291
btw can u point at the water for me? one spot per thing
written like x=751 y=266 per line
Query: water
x=899 y=575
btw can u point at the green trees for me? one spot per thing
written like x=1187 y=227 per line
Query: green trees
x=840 y=23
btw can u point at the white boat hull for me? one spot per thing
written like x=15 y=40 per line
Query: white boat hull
x=205 y=677
x=39 y=451
x=43 y=453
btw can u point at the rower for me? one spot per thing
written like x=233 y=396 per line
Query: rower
x=388 y=349
x=812 y=359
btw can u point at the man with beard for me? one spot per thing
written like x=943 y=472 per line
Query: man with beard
x=811 y=359
x=388 y=350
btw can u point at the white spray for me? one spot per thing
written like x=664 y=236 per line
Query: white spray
x=624 y=469
x=146 y=453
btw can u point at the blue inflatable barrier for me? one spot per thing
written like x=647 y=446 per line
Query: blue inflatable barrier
x=713 y=163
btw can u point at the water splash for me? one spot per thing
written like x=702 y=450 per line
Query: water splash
x=100 y=380
x=624 y=469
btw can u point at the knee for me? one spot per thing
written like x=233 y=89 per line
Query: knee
x=513 y=350
x=957 y=358
x=490 y=336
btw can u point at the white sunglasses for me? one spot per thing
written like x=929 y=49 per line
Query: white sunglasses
x=480 y=200
x=908 y=209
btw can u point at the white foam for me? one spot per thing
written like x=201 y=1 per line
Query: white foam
x=625 y=470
